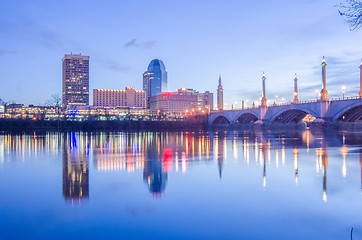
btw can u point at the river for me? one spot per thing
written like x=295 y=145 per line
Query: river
x=181 y=185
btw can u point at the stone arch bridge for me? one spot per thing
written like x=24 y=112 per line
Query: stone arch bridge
x=330 y=111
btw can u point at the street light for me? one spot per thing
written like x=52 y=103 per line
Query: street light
x=343 y=91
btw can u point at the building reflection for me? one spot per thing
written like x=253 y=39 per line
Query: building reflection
x=156 y=154
x=220 y=145
x=153 y=173
x=75 y=168
x=155 y=177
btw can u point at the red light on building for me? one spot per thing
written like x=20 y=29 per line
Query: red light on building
x=166 y=93
x=167 y=159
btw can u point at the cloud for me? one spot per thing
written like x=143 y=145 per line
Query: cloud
x=115 y=67
x=27 y=30
x=135 y=43
x=6 y=52
x=149 y=44
x=118 y=68
x=131 y=43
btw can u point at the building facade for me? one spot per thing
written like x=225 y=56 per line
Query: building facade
x=207 y=99
x=75 y=80
x=155 y=78
x=119 y=98
x=183 y=101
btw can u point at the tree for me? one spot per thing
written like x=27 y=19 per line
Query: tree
x=54 y=101
x=352 y=11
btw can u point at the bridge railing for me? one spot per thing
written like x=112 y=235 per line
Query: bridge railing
x=344 y=98
x=290 y=103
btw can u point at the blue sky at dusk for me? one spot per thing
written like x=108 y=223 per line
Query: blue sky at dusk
x=197 y=40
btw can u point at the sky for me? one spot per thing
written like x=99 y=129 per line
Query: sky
x=196 y=40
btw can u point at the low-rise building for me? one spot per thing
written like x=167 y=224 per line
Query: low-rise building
x=119 y=98
x=183 y=101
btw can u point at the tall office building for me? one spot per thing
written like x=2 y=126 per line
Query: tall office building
x=75 y=80
x=155 y=79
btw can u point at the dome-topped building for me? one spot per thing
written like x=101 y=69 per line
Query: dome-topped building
x=156 y=65
x=155 y=79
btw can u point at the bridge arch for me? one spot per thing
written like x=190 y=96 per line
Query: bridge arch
x=295 y=114
x=246 y=118
x=220 y=120
x=350 y=113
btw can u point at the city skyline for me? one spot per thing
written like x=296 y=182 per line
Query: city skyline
x=240 y=41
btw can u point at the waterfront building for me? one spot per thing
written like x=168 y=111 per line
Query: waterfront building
x=155 y=79
x=20 y=111
x=220 y=95
x=207 y=99
x=119 y=98
x=75 y=80
x=182 y=101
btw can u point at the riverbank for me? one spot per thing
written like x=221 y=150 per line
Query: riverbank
x=28 y=125
x=192 y=124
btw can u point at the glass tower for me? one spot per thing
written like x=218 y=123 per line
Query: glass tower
x=155 y=79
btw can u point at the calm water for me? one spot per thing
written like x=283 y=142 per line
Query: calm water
x=213 y=185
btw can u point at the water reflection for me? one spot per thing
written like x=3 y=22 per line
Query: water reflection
x=220 y=146
x=157 y=154
x=75 y=168
x=153 y=153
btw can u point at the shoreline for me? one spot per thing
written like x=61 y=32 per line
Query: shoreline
x=192 y=124
x=28 y=125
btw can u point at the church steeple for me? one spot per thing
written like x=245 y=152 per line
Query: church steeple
x=220 y=95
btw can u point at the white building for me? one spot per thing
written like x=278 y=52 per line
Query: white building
x=182 y=102
x=119 y=98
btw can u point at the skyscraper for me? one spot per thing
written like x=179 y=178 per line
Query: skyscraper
x=220 y=96
x=75 y=80
x=155 y=79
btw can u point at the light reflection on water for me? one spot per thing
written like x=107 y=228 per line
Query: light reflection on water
x=295 y=171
